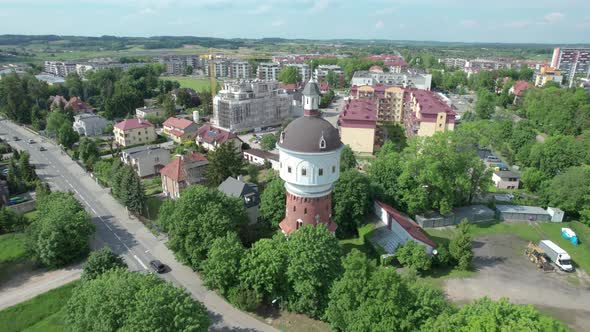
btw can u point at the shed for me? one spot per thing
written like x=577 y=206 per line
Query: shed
x=522 y=213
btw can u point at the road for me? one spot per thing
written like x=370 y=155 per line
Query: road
x=127 y=237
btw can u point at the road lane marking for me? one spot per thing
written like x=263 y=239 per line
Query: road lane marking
x=140 y=262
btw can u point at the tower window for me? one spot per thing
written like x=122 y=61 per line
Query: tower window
x=304 y=172
x=294 y=208
x=299 y=223
x=288 y=169
x=333 y=169
x=321 y=172
x=322 y=143
x=305 y=211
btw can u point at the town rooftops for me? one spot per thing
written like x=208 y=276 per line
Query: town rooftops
x=398 y=62
x=408 y=225
x=430 y=102
x=176 y=170
x=236 y=188
x=78 y=105
x=139 y=150
x=179 y=123
x=209 y=134
x=520 y=87
x=506 y=174
x=358 y=113
x=130 y=124
x=311 y=89
x=262 y=154
x=50 y=79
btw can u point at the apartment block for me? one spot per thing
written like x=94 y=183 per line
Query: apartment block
x=357 y=124
x=134 y=131
x=405 y=80
x=304 y=70
x=246 y=105
x=268 y=71
x=319 y=74
x=547 y=74
x=426 y=113
x=571 y=62
x=388 y=100
x=59 y=68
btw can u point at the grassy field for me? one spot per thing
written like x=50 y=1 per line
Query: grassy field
x=542 y=231
x=152 y=186
x=12 y=248
x=362 y=242
x=31 y=215
x=198 y=84
x=45 y=312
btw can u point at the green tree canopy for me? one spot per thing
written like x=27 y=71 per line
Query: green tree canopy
x=414 y=256
x=197 y=218
x=290 y=75
x=119 y=300
x=570 y=191
x=486 y=104
x=272 y=201
x=99 y=262
x=222 y=266
x=460 y=247
x=352 y=199
x=268 y=142
x=347 y=159
x=224 y=162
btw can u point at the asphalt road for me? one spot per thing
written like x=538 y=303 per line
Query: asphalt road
x=122 y=234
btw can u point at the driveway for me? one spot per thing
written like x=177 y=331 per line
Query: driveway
x=504 y=271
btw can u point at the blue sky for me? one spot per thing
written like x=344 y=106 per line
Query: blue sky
x=537 y=21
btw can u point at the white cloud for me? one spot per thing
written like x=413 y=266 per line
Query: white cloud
x=319 y=6
x=553 y=17
x=470 y=23
x=379 y=25
x=278 y=23
x=261 y=9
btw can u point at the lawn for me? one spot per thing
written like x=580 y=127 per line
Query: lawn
x=152 y=186
x=45 y=312
x=31 y=215
x=198 y=84
x=12 y=248
x=362 y=242
x=551 y=231
x=152 y=208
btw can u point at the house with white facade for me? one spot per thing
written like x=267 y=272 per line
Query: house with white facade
x=86 y=124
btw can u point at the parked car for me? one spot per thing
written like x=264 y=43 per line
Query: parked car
x=5 y=171
x=31 y=141
x=42 y=148
x=15 y=138
x=158 y=266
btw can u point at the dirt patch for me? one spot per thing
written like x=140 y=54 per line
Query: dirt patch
x=504 y=271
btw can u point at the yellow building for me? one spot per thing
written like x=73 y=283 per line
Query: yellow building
x=547 y=74
x=389 y=100
x=134 y=131
x=358 y=123
x=427 y=114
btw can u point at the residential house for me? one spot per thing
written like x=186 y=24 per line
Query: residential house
x=505 y=180
x=210 y=138
x=149 y=112
x=79 y=106
x=134 y=131
x=146 y=160
x=86 y=124
x=179 y=129
x=248 y=192
x=357 y=124
x=547 y=74
x=395 y=229
x=50 y=79
x=260 y=157
x=183 y=171
x=518 y=90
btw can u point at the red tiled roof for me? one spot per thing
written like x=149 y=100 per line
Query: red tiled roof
x=408 y=225
x=77 y=104
x=376 y=69
x=179 y=123
x=358 y=113
x=520 y=86
x=129 y=124
x=291 y=86
x=175 y=132
x=324 y=86
x=209 y=134
x=398 y=62
x=430 y=103
x=175 y=170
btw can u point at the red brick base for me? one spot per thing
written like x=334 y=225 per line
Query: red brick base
x=307 y=211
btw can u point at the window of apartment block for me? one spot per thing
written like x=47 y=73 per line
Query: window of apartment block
x=288 y=169
x=321 y=172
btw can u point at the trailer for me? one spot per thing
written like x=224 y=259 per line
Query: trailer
x=558 y=256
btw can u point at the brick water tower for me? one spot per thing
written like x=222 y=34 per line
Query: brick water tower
x=309 y=161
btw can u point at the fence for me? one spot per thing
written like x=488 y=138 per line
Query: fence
x=473 y=213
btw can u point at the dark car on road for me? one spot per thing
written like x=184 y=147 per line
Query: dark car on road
x=15 y=138
x=42 y=148
x=158 y=266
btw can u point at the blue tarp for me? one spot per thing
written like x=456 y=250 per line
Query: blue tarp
x=570 y=235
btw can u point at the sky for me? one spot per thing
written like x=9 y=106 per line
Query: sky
x=518 y=21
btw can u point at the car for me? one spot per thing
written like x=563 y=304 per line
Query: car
x=31 y=141
x=158 y=266
x=42 y=148
x=15 y=138
x=5 y=171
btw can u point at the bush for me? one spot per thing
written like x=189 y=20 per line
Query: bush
x=460 y=246
x=11 y=221
x=101 y=261
x=244 y=297
x=414 y=256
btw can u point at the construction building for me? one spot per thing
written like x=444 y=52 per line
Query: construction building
x=388 y=100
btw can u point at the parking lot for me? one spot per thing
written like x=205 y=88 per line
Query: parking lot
x=504 y=271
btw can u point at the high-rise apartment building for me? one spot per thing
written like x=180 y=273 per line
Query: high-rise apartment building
x=571 y=61
x=268 y=71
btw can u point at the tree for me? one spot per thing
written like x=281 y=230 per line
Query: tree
x=349 y=291
x=487 y=315
x=222 y=266
x=290 y=75
x=67 y=136
x=384 y=172
x=351 y=201
x=264 y=268
x=268 y=142
x=414 y=256
x=224 y=162
x=272 y=204
x=347 y=159
x=169 y=106
x=184 y=98
x=570 y=191
x=88 y=152
x=311 y=269
x=130 y=301
x=533 y=179
x=74 y=84
x=396 y=137
x=556 y=154
x=485 y=105
x=55 y=120
x=61 y=232
x=101 y=261
x=188 y=70
x=127 y=187
x=460 y=247
x=332 y=79
x=11 y=221
x=197 y=218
